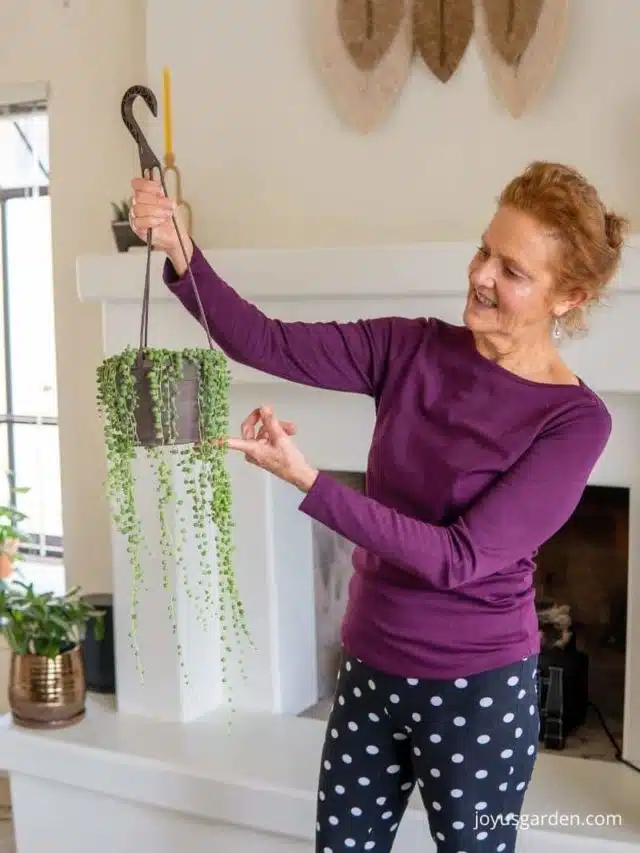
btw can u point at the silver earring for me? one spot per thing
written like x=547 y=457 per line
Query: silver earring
x=557 y=331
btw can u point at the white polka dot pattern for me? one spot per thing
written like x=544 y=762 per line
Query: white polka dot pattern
x=469 y=745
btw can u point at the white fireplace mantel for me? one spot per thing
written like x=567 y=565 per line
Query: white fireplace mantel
x=423 y=279
x=164 y=779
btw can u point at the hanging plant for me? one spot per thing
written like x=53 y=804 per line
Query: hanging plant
x=172 y=407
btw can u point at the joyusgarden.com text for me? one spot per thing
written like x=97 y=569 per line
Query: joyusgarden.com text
x=486 y=820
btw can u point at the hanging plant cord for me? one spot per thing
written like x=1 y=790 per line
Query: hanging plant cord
x=174 y=404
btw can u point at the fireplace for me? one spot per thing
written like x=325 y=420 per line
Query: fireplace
x=582 y=596
x=581 y=585
x=276 y=545
x=332 y=571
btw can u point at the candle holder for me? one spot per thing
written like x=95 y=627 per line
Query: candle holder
x=183 y=211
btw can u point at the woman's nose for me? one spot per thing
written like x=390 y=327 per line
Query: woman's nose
x=484 y=275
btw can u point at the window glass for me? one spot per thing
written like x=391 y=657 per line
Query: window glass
x=24 y=143
x=30 y=306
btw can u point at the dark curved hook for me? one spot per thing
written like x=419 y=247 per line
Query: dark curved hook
x=148 y=160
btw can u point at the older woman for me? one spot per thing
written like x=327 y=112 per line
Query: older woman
x=483 y=444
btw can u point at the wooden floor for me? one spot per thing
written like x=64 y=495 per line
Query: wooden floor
x=6 y=827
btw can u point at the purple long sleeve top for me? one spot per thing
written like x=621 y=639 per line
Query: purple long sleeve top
x=471 y=469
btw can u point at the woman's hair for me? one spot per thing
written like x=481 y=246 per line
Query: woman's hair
x=590 y=237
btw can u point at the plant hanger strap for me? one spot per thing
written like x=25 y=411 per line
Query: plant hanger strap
x=149 y=162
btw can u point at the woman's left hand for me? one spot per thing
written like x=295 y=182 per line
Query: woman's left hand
x=273 y=449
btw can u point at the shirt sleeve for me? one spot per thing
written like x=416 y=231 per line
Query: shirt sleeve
x=509 y=522
x=349 y=357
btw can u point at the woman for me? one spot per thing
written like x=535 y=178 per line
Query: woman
x=483 y=444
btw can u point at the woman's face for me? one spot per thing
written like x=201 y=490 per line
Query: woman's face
x=511 y=279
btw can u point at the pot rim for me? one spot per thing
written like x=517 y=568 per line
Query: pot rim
x=30 y=655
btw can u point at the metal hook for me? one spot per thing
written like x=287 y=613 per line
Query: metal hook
x=148 y=160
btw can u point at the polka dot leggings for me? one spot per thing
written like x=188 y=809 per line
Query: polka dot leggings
x=469 y=745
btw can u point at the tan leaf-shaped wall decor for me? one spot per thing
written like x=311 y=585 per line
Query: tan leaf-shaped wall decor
x=519 y=86
x=368 y=28
x=511 y=25
x=363 y=99
x=442 y=30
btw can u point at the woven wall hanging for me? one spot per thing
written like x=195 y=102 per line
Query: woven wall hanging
x=363 y=98
x=511 y=25
x=442 y=32
x=368 y=28
x=519 y=86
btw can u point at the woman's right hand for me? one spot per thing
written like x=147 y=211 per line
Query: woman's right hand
x=150 y=208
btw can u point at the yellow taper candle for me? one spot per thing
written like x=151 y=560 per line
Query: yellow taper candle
x=168 y=141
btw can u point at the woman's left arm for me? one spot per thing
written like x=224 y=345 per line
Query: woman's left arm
x=513 y=518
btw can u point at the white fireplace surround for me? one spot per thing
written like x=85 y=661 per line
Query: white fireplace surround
x=273 y=561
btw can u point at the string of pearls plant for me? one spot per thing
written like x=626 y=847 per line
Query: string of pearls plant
x=202 y=466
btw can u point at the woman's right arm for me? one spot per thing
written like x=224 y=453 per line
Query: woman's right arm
x=335 y=356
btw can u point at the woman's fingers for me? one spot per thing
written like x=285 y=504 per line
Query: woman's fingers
x=287 y=426
x=248 y=425
x=143 y=223
x=144 y=215
x=150 y=187
x=156 y=202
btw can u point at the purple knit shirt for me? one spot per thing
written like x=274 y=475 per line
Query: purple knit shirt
x=471 y=469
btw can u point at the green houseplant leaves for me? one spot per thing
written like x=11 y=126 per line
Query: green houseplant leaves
x=43 y=623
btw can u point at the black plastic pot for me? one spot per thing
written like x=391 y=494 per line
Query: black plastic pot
x=125 y=237
x=186 y=429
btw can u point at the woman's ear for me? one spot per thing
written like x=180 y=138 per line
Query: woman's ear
x=569 y=302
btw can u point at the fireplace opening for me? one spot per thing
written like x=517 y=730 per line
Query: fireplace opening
x=581 y=597
x=332 y=555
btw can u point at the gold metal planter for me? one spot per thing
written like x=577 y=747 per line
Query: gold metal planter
x=47 y=693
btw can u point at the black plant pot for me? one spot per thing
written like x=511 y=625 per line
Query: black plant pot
x=125 y=237
x=99 y=655
x=180 y=418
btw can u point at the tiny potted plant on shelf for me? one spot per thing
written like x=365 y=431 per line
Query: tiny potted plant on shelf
x=44 y=631
x=122 y=232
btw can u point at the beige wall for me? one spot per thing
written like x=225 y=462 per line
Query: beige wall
x=267 y=162
x=89 y=53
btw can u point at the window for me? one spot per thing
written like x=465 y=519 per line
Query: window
x=29 y=448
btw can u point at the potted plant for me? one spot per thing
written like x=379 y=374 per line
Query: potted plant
x=173 y=406
x=122 y=232
x=44 y=632
x=10 y=538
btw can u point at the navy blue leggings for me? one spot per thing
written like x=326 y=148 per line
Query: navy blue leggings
x=469 y=744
